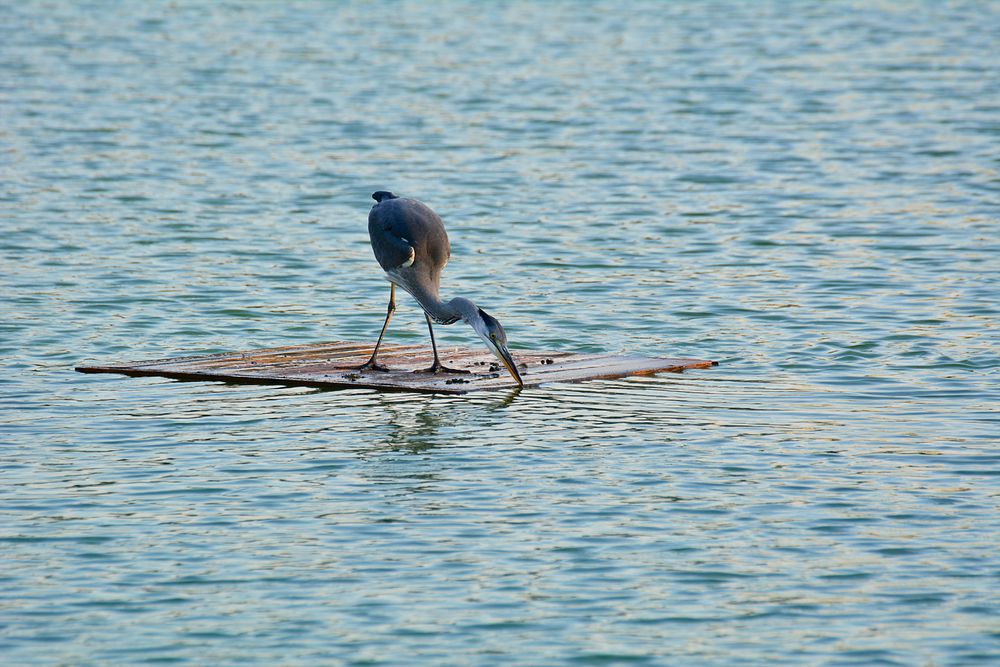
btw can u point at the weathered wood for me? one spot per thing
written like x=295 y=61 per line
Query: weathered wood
x=332 y=365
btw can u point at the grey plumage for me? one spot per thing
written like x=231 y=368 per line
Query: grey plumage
x=412 y=247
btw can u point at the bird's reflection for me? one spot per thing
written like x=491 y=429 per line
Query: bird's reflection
x=420 y=423
x=413 y=432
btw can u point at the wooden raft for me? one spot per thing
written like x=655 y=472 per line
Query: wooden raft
x=332 y=365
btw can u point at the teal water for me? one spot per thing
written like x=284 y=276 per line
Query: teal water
x=807 y=192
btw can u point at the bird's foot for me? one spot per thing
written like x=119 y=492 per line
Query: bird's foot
x=372 y=365
x=438 y=367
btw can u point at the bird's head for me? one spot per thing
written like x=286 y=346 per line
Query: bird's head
x=383 y=194
x=492 y=333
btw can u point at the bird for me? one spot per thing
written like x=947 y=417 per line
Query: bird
x=411 y=245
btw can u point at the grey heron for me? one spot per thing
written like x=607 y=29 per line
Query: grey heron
x=412 y=247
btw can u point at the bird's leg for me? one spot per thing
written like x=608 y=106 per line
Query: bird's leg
x=437 y=366
x=372 y=364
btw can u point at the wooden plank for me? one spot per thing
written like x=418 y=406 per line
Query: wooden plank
x=334 y=364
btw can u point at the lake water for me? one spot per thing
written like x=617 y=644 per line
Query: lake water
x=805 y=192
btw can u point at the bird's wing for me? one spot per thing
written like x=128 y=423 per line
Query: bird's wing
x=391 y=249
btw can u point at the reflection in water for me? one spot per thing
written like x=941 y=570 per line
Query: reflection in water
x=414 y=426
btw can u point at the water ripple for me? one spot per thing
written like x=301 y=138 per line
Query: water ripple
x=806 y=196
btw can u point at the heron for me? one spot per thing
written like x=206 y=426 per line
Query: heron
x=412 y=247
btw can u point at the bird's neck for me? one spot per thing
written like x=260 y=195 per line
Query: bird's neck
x=443 y=312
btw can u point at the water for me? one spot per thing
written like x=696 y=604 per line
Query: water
x=807 y=192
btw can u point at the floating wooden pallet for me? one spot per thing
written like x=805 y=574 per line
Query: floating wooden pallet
x=332 y=365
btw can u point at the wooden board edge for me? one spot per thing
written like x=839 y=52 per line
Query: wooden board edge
x=263 y=380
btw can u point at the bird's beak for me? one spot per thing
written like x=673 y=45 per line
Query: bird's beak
x=504 y=355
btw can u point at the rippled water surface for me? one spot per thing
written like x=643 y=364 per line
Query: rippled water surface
x=806 y=192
